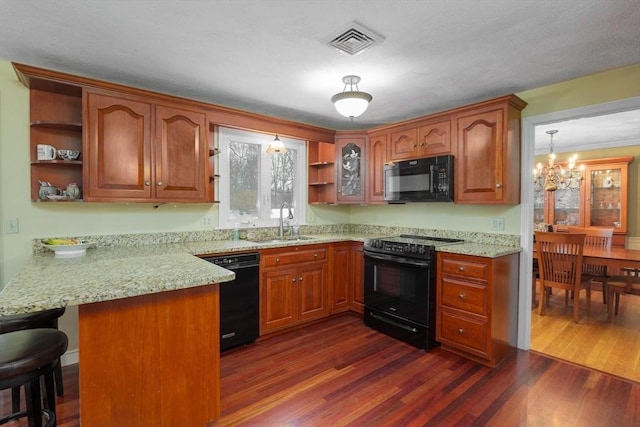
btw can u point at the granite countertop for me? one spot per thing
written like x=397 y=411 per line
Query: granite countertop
x=112 y=272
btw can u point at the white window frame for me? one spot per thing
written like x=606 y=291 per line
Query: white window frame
x=225 y=218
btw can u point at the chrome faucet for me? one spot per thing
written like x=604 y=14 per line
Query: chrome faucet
x=290 y=216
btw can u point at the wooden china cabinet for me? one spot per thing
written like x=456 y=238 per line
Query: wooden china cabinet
x=601 y=200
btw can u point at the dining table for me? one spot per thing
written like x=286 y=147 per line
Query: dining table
x=614 y=258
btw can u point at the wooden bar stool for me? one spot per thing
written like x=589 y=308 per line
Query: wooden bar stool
x=39 y=319
x=25 y=357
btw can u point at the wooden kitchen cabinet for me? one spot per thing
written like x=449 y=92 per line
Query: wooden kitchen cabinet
x=346 y=271
x=55 y=111
x=477 y=305
x=425 y=138
x=144 y=151
x=351 y=157
x=376 y=158
x=356 y=265
x=321 y=176
x=487 y=159
x=293 y=286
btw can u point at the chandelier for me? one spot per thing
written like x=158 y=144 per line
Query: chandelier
x=351 y=103
x=552 y=177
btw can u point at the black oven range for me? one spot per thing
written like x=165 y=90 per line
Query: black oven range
x=400 y=289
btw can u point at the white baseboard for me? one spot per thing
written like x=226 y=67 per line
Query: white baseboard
x=71 y=357
x=633 y=242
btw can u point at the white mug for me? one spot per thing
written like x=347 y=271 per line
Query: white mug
x=46 y=152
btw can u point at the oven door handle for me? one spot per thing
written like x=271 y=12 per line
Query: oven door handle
x=397 y=260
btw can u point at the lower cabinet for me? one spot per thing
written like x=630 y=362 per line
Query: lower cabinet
x=477 y=306
x=293 y=286
x=347 y=274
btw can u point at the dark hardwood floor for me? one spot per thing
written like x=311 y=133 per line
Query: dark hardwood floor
x=339 y=372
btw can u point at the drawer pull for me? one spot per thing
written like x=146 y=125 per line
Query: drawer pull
x=315 y=255
x=460 y=331
x=461 y=268
x=462 y=296
x=277 y=259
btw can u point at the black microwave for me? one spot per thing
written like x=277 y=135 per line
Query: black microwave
x=421 y=180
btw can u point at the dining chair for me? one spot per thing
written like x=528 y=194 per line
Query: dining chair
x=597 y=238
x=627 y=283
x=560 y=264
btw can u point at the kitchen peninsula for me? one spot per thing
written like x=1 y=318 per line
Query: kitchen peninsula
x=148 y=310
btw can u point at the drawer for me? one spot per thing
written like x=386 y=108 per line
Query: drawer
x=464 y=333
x=465 y=296
x=464 y=268
x=288 y=258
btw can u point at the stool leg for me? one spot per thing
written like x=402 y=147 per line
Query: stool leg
x=15 y=399
x=57 y=371
x=34 y=408
x=50 y=395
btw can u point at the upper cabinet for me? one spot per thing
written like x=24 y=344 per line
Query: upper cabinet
x=55 y=125
x=424 y=138
x=376 y=158
x=351 y=151
x=141 y=150
x=487 y=160
x=322 y=173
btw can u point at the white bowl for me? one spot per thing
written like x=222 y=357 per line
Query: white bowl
x=70 y=251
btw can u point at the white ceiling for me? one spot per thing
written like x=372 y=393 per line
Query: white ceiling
x=269 y=57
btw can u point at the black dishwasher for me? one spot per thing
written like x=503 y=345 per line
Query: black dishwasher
x=239 y=308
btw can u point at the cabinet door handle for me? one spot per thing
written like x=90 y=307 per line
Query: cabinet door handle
x=277 y=259
x=315 y=255
x=293 y=280
x=498 y=185
x=422 y=144
x=460 y=331
x=462 y=296
x=414 y=145
x=159 y=183
x=461 y=268
x=147 y=183
x=300 y=279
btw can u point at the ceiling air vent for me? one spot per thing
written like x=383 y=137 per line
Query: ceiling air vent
x=354 y=39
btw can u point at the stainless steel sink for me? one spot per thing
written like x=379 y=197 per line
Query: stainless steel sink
x=282 y=239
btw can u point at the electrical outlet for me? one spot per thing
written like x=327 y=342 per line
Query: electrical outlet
x=497 y=224
x=207 y=221
x=11 y=227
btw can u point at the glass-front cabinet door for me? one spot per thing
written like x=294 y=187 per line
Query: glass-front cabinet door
x=607 y=199
x=567 y=205
x=350 y=164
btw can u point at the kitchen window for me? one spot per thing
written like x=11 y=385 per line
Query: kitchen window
x=253 y=185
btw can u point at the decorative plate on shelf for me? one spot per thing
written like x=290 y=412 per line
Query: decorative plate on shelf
x=67 y=248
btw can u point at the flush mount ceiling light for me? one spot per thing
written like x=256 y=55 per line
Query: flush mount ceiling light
x=276 y=146
x=351 y=103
